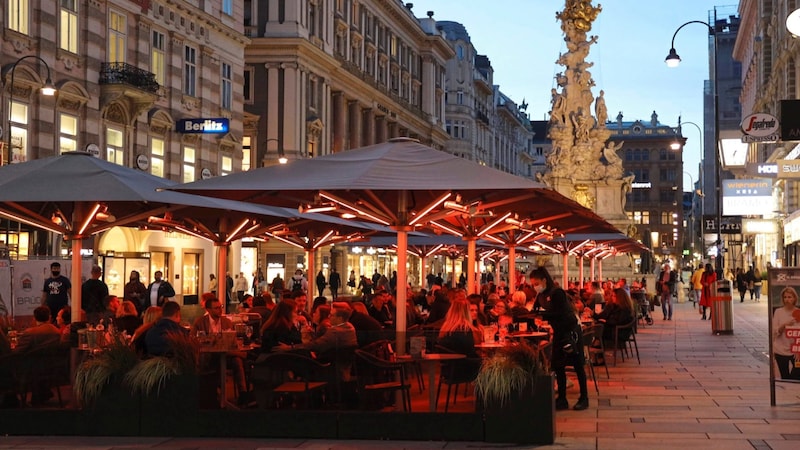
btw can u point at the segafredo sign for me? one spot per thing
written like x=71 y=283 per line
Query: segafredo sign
x=760 y=125
x=209 y=126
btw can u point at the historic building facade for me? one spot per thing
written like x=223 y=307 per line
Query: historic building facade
x=325 y=76
x=769 y=57
x=127 y=73
x=654 y=202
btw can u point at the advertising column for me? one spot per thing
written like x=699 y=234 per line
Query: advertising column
x=784 y=327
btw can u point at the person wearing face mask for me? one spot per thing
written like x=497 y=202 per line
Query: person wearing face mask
x=558 y=310
x=57 y=290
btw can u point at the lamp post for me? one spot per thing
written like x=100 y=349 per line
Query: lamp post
x=673 y=60
x=48 y=89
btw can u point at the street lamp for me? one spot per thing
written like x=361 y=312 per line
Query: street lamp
x=281 y=155
x=673 y=60
x=48 y=89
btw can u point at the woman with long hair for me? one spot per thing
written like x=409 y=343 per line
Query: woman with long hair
x=281 y=327
x=149 y=318
x=557 y=309
x=619 y=311
x=457 y=332
x=785 y=316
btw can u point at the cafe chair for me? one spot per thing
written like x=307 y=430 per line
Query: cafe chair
x=342 y=360
x=463 y=371
x=377 y=377
x=625 y=341
x=287 y=379
x=598 y=354
x=588 y=338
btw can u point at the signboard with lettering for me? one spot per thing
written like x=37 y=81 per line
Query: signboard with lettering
x=206 y=126
x=762 y=170
x=784 y=325
x=760 y=127
x=730 y=225
x=789 y=168
x=747 y=197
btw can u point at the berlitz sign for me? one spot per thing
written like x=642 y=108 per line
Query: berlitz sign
x=210 y=126
x=760 y=125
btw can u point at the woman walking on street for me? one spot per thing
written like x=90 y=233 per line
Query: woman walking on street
x=708 y=280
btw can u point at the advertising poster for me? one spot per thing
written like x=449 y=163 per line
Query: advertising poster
x=28 y=281
x=784 y=326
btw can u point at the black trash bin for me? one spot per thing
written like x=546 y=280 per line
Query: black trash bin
x=722 y=308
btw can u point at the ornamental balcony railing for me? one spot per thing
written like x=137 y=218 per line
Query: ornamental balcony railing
x=124 y=73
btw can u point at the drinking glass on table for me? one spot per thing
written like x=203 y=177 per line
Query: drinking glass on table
x=248 y=332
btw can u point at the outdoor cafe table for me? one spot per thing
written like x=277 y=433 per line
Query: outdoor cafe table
x=533 y=335
x=221 y=352
x=431 y=361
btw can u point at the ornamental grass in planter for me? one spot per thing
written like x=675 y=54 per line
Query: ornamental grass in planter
x=103 y=370
x=151 y=374
x=516 y=396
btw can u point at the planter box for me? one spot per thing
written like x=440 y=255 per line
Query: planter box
x=529 y=418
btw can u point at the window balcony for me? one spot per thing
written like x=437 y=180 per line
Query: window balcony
x=124 y=73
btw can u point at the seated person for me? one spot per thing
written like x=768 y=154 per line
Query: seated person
x=518 y=309
x=379 y=310
x=368 y=330
x=439 y=307
x=321 y=320
x=281 y=327
x=128 y=319
x=618 y=311
x=341 y=334
x=41 y=335
x=476 y=310
x=151 y=315
x=262 y=305
x=156 y=339
x=498 y=310
x=457 y=333
x=214 y=322
x=63 y=320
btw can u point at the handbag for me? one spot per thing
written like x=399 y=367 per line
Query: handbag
x=657 y=301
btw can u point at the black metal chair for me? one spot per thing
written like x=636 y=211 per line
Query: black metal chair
x=287 y=375
x=376 y=376
x=598 y=354
x=588 y=338
x=624 y=336
x=458 y=372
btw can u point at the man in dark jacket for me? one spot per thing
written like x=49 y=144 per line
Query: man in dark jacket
x=159 y=290
x=93 y=292
x=334 y=282
x=156 y=338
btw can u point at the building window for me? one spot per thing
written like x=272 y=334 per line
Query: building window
x=247 y=153
x=227 y=166
x=227 y=86
x=157 y=147
x=68 y=34
x=227 y=7
x=247 y=85
x=188 y=164
x=666 y=217
x=190 y=71
x=117 y=36
x=68 y=133
x=460 y=52
x=641 y=175
x=18 y=12
x=459 y=97
x=639 y=217
x=666 y=174
x=115 y=146
x=666 y=195
x=158 y=57
x=19 y=133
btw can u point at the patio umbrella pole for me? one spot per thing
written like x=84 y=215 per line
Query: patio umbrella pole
x=565 y=273
x=402 y=271
x=580 y=272
x=75 y=276
x=222 y=270
x=512 y=264
x=472 y=270
x=592 y=263
x=311 y=255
